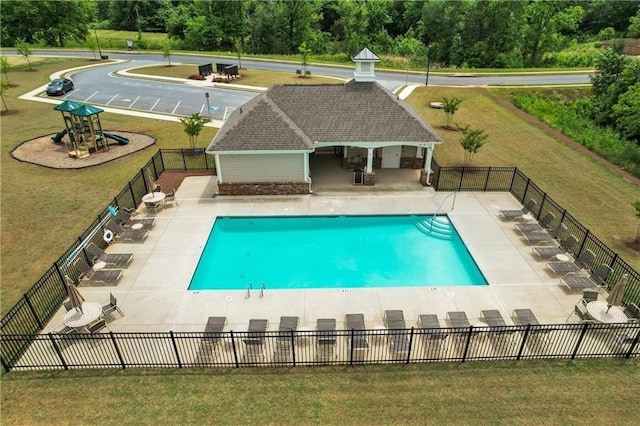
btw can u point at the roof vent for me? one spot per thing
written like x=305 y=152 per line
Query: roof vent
x=365 y=60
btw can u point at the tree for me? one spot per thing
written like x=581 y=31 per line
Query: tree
x=239 y=51
x=627 y=113
x=304 y=51
x=193 y=125
x=451 y=105
x=24 y=49
x=92 y=45
x=636 y=205
x=471 y=142
x=5 y=67
x=4 y=86
x=166 y=51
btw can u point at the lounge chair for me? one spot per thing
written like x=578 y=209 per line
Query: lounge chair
x=397 y=333
x=547 y=252
x=357 y=336
x=517 y=214
x=255 y=340
x=583 y=262
x=544 y=224
x=111 y=259
x=598 y=278
x=213 y=330
x=103 y=276
x=326 y=339
x=536 y=237
x=285 y=338
x=130 y=218
x=458 y=319
x=128 y=235
x=526 y=317
x=493 y=317
x=432 y=335
x=110 y=307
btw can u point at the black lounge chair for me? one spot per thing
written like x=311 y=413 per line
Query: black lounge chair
x=598 y=278
x=128 y=218
x=583 y=262
x=213 y=330
x=326 y=339
x=517 y=214
x=544 y=224
x=103 y=276
x=432 y=335
x=547 y=252
x=545 y=237
x=284 y=338
x=255 y=340
x=111 y=259
x=458 y=319
x=127 y=235
x=397 y=333
x=357 y=336
x=493 y=317
x=526 y=317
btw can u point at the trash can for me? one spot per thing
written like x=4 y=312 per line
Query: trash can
x=104 y=57
x=358 y=176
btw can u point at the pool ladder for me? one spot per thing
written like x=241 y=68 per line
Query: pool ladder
x=248 y=294
x=438 y=228
x=250 y=287
x=262 y=287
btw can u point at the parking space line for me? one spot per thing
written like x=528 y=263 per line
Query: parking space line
x=154 y=105
x=94 y=93
x=177 y=105
x=114 y=96
x=134 y=101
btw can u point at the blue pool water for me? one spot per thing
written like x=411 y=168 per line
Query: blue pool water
x=331 y=252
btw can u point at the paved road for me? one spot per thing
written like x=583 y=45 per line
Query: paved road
x=101 y=86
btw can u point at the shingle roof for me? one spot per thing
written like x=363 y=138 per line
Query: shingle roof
x=365 y=55
x=292 y=117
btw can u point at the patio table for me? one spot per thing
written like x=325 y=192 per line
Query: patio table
x=598 y=311
x=76 y=318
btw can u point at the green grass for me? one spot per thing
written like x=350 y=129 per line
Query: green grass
x=250 y=77
x=595 y=195
x=527 y=392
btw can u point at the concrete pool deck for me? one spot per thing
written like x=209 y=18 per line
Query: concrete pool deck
x=153 y=291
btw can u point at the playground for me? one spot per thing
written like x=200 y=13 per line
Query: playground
x=81 y=143
x=44 y=152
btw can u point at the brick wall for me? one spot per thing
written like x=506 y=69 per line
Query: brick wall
x=265 y=188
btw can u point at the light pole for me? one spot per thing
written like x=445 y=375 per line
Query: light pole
x=426 y=82
x=97 y=41
x=206 y=95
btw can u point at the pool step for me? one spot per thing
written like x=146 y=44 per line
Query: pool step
x=437 y=226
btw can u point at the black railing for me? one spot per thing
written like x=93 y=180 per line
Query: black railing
x=19 y=327
x=271 y=348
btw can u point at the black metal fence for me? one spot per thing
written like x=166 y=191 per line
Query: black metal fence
x=510 y=179
x=342 y=347
x=22 y=323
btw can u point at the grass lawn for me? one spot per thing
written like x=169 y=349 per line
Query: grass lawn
x=527 y=392
x=250 y=77
x=43 y=210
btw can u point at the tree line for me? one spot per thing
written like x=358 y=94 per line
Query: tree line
x=465 y=33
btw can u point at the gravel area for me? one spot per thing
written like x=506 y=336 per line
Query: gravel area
x=43 y=152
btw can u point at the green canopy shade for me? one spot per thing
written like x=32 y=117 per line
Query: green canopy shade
x=86 y=111
x=67 y=106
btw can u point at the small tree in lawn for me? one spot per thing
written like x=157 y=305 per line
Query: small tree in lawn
x=167 y=51
x=4 y=86
x=6 y=67
x=92 y=45
x=450 y=107
x=23 y=49
x=471 y=142
x=304 y=51
x=637 y=207
x=193 y=125
x=239 y=51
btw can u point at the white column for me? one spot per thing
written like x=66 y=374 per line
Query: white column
x=419 y=152
x=344 y=152
x=306 y=166
x=427 y=164
x=218 y=169
x=369 y=160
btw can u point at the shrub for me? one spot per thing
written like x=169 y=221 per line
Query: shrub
x=196 y=77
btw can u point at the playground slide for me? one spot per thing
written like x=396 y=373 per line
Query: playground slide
x=58 y=137
x=121 y=140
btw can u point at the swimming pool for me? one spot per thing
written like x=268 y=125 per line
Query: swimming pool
x=332 y=252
